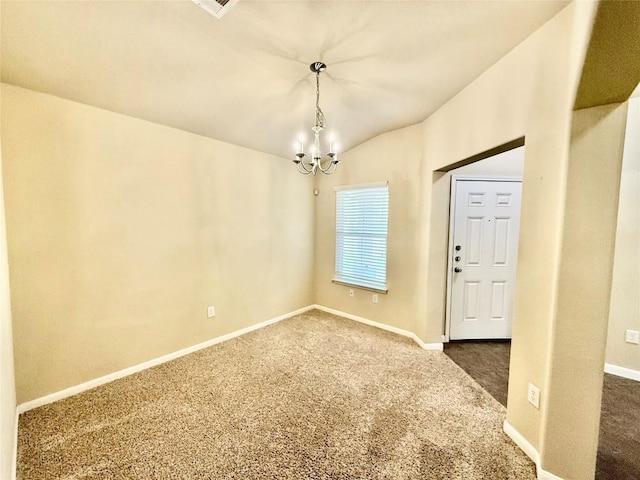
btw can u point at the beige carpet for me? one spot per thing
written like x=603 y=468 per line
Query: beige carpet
x=312 y=397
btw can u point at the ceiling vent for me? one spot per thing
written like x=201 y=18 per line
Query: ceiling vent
x=217 y=8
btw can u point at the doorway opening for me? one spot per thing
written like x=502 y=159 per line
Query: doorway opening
x=484 y=356
x=480 y=234
x=484 y=225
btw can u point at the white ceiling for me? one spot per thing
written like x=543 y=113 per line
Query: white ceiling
x=245 y=78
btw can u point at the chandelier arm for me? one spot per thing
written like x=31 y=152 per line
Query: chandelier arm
x=330 y=167
x=313 y=165
x=329 y=172
x=331 y=160
x=326 y=167
x=302 y=169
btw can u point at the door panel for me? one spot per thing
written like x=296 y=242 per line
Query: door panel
x=498 y=300
x=485 y=239
x=471 y=301
x=474 y=240
x=501 y=243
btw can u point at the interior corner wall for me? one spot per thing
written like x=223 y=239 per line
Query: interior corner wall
x=528 y=93
x=573 y=402
x=133 y=230
x=624 y=311
x=7 y=387
x=395 y=157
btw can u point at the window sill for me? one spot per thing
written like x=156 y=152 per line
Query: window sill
x=361 y=287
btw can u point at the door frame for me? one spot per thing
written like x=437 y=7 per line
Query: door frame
x=452 y=211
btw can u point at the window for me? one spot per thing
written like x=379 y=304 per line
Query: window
x=361 y=235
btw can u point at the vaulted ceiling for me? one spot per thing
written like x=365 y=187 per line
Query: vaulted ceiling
x=244 y=78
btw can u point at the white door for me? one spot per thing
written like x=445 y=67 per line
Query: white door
x=484 y=251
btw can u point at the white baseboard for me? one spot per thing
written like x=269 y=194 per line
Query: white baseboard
x=544 y=475
x=389 y=328
x=529 y=451
x=14 y=461
x=67 y=392
x=622 y=371
x=96 y=382
x=521 y=442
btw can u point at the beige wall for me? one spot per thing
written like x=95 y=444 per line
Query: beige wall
x=530 y=92
x=574 y=382
x=7 y=387
x=505 y=164
x=625 y=297
x=121 y=232
x=395 y=157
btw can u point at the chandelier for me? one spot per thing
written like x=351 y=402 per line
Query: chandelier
x=316 y=162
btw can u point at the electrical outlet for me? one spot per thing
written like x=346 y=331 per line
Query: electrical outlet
x=211 y=311
x=533 y=395
x=374 y=298
x=632 y=336
x=351 y=293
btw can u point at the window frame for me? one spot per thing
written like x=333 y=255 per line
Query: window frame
x=372 y=285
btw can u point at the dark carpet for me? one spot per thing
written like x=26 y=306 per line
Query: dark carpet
x=619 y=442
x=487 y=362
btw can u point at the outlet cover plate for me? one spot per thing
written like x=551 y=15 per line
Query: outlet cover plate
x=533 y=395
x=632 y=336
x=211 y=311
x=351 y=292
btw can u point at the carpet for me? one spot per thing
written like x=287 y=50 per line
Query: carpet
x=619 y=439
x=487 y=362
x=312 y=397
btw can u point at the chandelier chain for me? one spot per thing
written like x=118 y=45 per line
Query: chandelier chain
x=319 y=114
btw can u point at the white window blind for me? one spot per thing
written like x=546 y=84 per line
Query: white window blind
x=361 y=235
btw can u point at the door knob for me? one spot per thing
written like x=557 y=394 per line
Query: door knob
x=457 y=269
x=457 y=259
x=458 y=248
